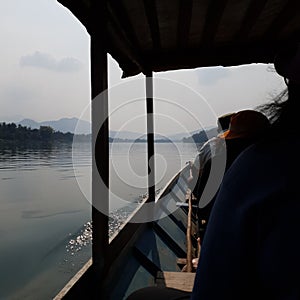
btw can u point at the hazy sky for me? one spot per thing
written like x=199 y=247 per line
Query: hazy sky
x=45 y=76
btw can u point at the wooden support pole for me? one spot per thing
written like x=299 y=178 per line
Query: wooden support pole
x=100 y=143
x=150 y=137
x=189 y=266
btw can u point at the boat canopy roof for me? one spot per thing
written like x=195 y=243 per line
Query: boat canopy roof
x=161 y=35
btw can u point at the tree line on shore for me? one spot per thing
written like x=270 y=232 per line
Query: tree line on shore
x=13 y=133
x=10 y=132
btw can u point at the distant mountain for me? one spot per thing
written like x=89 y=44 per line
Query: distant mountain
x=63 y=125
x=180 y=136
x=201 y=136
x=84 y=127
x=129 y=135
x=29 y=123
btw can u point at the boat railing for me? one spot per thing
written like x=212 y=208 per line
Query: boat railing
x=122 y=241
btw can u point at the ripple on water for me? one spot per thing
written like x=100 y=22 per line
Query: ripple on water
x=84 y=238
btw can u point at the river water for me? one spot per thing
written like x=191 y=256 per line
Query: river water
x=45 y=209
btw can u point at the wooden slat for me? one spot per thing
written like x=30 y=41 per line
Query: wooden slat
x=150 y=137
x=100 y=141
x=181 y=261
x=188 y=235
x=119 y=36
x=168 y=240
x=183 y=281
x=149 y=265
x=213 y=18
x=122 y=17
x=151 y=13
x=206 y=56
x=184 y=22
x=73 y=281
x=253 y=12
x=282 y=19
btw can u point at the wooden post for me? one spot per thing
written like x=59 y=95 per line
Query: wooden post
x=100 y=142
x=189 y=257
x=150 y=137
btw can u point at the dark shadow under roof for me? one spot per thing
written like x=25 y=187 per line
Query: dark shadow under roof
x=162 y=35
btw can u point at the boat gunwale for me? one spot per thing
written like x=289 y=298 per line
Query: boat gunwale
x=127 y=232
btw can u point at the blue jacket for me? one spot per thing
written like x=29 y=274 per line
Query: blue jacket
x=251 y=249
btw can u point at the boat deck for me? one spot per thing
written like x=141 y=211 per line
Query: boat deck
x=178 y=280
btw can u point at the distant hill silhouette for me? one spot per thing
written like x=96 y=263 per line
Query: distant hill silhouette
x=63 y=125
x=202 y=136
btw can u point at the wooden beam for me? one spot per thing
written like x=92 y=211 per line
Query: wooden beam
x=121 y=37
x=287 y=13
x=183 y=281
x=100 y=142
x=213 y=17
x=254 y=10
x=81 y=10
x=128 y=233
x=73 y=281
x=119 y=10
x=184 y=22
x=189 y=250
x=181 y=261
x=179 y=252
x=151 y=13
x=150 y=266
x=150 y=137
x=226 y=55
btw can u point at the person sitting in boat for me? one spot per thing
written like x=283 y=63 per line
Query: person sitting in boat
x=245 y=128
x=251 y=245
x=210 y=147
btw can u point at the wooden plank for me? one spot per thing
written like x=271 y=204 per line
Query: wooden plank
x=184 y=22
x=188 y=235
x=183 y=281
x=168 y=240
x=122 y=17
x=151 y=13
x=150 y=137
x=181 y=261
x=149 y=265
x=213 y=18
x=120 y=39
x=287 y=13
x=100 y=141
x=253 y=12
x=73 y=281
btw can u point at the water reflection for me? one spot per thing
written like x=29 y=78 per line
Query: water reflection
x=45 y=219
x=41 y=208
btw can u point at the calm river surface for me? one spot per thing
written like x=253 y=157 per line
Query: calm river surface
x=45 y=214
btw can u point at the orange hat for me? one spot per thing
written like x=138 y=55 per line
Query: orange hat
x=246 y=124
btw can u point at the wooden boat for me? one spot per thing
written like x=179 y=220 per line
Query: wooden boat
x=152 y=36
x=146 y=250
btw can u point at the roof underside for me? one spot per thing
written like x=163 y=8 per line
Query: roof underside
x=162 y=35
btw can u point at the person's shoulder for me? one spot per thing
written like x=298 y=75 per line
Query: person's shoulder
x=211 y=144
x=207 y=143
x=268 y=155
x=280 y=148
